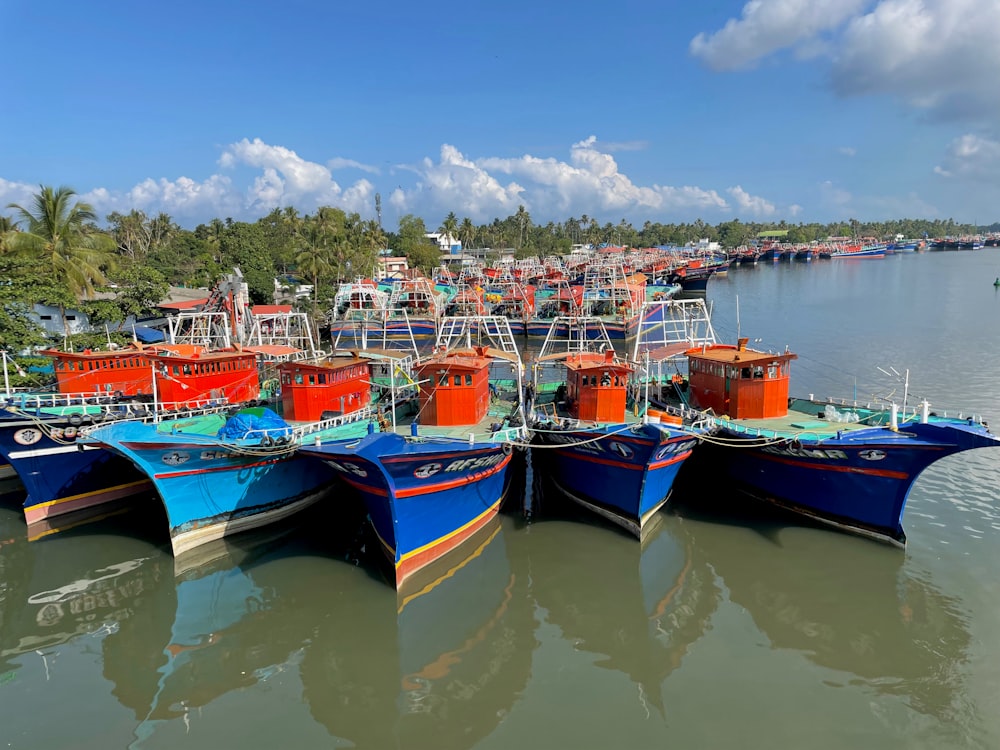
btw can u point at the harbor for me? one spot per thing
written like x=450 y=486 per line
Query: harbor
x=299 y=614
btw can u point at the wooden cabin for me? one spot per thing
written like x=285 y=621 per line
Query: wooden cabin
x=454 y=387
x=738 y=382
x=121 y=372
x=190 y=374
x=330 y=387
x=596 y=386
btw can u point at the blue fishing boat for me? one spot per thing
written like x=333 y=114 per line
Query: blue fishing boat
x=435 y=476
x=592 y=433
x=844 y=464
x=221 y=473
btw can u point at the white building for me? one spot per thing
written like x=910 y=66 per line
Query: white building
x=392 y=267
x=446 y=242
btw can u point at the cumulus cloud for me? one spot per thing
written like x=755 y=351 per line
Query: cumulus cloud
x=939 y=57
x=592 y=183
x=767 y=26
x=971 y=157
x=15 y=192
x=751 y=204
x=288 y=179
x=848 y=151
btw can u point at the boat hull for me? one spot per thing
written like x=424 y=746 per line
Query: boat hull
x=58 y=474
x=424 y=498
x=858 y=481
x=622 y=476
x=210 y=490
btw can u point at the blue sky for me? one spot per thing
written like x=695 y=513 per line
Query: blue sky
x=802 y=110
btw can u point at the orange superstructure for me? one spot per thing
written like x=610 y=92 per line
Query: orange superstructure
x=596 y=386
x=312 y=390
x=188 y=373
x=121 y=372
x=738 y=382
x=454 y=387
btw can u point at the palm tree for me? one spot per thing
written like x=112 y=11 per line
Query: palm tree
x=64 y=235
x=467 y=232
x=449 y=227
x=7 y=229
x=312 y=259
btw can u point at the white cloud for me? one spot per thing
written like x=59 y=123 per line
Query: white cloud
x=15 y=192
x=592 y=183
x=767 y=26
x=341 y=163
x=848 y=151
x=935 y=56
x=939 y=56
x=972 y=157
x=751 y=204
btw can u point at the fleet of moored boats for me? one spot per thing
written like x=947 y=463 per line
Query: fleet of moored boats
x=426 y=409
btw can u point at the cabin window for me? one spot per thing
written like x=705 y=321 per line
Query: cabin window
x=285 y=380
x=176 y=370
x=458 y=380
x=312 y=379
x=298 y=378
x=468 y=379
x=322 y=378
x=606 y=379
x=186 y=369
x=758 y=372
x=772 y=371
x=443 y=379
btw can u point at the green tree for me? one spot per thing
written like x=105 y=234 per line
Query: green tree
x=62 y=232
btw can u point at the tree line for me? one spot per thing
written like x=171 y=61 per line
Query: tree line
x=54 y=251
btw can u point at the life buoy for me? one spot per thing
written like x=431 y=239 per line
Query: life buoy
x=507 y=449
x=75 y=419
x=69 y=433
x=267 y=442
x=119 y=394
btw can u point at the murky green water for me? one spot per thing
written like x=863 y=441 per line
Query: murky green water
x=730 y=626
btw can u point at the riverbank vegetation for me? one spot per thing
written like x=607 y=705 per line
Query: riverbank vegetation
x=56 y=251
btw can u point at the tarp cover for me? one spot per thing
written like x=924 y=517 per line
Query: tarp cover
x=254 y=424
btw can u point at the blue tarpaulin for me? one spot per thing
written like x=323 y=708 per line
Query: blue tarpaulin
x=148 y=335
x=255 y=424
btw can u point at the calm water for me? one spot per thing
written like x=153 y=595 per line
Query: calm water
x=728 y=627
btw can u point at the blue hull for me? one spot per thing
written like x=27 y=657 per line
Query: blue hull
x=424 y=499
x=859 y=481
x=625 y=476
x=210 y=491
x=58 y=476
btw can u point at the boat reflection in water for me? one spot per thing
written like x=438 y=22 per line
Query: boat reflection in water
x=443 y=670
x=64 y=586
x=844 y=604
x=639 y=606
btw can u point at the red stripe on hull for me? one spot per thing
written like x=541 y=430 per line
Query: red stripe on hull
x=885 y=473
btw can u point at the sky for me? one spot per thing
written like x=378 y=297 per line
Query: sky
x=666 y=111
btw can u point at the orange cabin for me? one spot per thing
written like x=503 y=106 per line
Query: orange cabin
x=126 y=372
x=310 y=390
x=457 y=388
x=738 y=382
x=596 y=386
x=189 y=374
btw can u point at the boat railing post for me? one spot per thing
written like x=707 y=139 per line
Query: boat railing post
x=894 y=417
x=925 y=411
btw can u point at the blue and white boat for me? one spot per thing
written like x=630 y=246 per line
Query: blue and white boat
x=218 y=474
x=432 y=478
